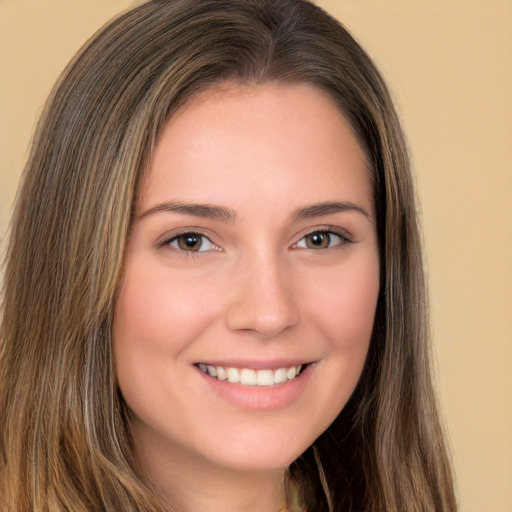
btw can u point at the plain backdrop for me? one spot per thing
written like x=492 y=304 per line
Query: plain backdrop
x=449 y=65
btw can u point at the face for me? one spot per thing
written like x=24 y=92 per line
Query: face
x=250 y=282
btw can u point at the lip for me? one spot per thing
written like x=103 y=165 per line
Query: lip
x=269 y=398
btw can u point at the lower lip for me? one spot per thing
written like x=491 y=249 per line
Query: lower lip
x=260 y=398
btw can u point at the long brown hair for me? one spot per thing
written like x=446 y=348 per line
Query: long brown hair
x=65 y=439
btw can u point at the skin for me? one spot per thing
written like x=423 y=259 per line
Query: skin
x=258 y=292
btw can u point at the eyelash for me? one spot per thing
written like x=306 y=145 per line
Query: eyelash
x=329 y=232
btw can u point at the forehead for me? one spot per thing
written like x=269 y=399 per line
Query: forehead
x=276 y=140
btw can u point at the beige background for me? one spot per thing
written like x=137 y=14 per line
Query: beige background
x=449 y=63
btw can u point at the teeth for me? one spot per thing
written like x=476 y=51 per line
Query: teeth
x=291 y=372
x=248 y=377
x=280 y=376
x=265 y=378
x=251 y=377
x=233 y=375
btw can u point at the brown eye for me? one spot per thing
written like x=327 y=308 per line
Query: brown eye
x=321 y=240
x=318 y=240
x=191 y=242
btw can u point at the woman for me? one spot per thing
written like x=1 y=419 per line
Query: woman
x=214 y=296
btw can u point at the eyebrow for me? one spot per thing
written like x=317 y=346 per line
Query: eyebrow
x=196 y=209
x=225 y=214
x=329 y=208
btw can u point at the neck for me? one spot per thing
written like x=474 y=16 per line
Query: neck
x=190 y=483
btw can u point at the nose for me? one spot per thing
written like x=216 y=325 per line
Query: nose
x=263 y=300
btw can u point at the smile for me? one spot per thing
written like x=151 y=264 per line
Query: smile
x=252 y=377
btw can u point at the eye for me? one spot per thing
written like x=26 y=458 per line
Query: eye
x=191 y=242
x=321 y=240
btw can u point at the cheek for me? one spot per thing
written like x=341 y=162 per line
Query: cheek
x=156 y=318
x=343 y=312
x=344 y=308
x=155 y=310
